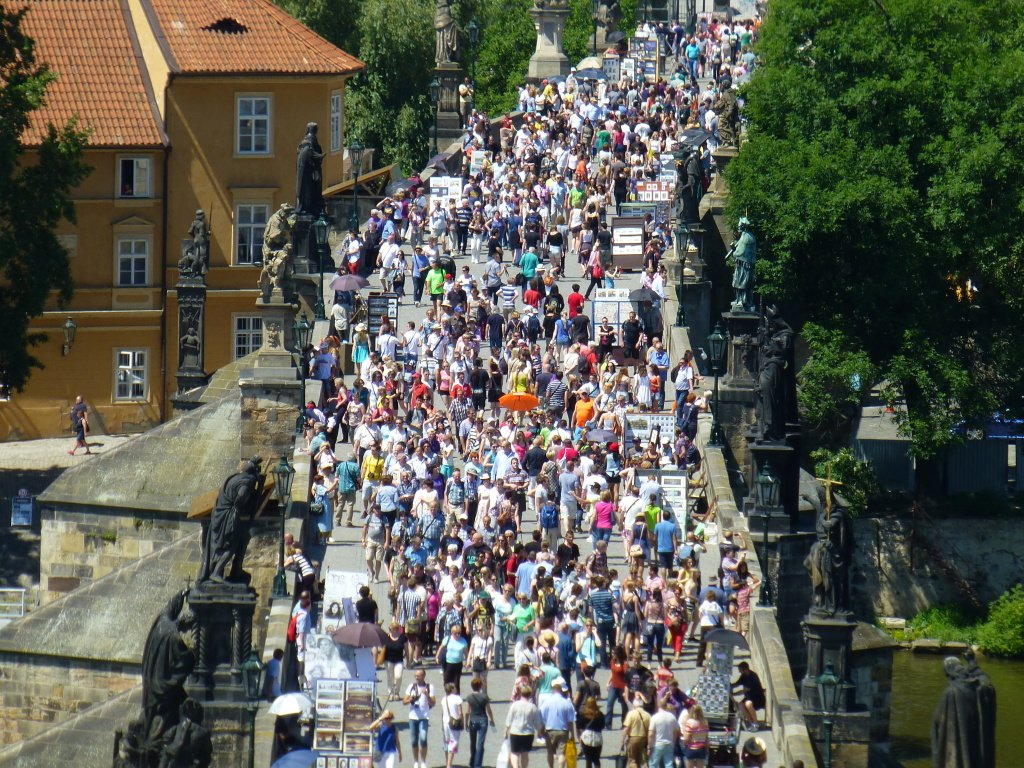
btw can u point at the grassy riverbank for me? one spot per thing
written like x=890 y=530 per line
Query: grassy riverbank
x=1001 y=633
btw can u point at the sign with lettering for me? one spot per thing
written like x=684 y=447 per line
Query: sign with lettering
x=379 y=306
x=22 y=507
x=444 y=188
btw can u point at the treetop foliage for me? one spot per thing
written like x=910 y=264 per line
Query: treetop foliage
x=883 y=174
x=34 y=198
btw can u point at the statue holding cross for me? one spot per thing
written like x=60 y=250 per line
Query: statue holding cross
x=829 y=560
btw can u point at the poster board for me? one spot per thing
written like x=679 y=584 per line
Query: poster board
x=22 y=507
x=344 y=711
x=444 y=188
x=612 y=66
x=629 y=68
x=341 y=590
x=612 y=303
x=668 y=168
x=478 y=161
x=674 y=489
x=660 y=194
x=646 y=52
x=643 y=424
x=378 y=306
x=628 y=241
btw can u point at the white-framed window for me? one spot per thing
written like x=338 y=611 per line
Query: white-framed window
x=248 y=334
x=250 y=221
x=132 y=261
x=130 y=382
x=336 y=121
x=252 y=125
x=133 y=177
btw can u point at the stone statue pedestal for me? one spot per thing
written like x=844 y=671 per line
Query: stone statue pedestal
x=741 y=360
x=829 y=641
x=223 y=637
x=271 y=392
x=549 y=59
x=303 y=245
x=191 y=293
x=784 y=461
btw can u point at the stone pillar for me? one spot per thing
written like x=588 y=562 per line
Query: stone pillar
x=741 y=360
x=223 y=637
x=549 y=59
x=271 y=391
x=191 y=292
x=449 y=126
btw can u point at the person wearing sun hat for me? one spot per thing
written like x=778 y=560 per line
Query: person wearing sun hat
x=754 y=754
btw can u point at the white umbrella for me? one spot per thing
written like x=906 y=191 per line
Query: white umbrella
x=292 y=704
x=591 y=62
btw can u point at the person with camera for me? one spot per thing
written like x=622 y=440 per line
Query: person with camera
x=419 y=697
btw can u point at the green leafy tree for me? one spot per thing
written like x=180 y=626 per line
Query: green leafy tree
x=1002 y=634
x=578 y=36
x=859 y=485
x=34 y=198
x=507 y=42
x=883 y=168
x=831 y=385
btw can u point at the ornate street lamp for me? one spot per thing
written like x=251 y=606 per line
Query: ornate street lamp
x=474 y=39
x=435 y=99
x=320 y=231
x=70 y=329
x=284 y=474
x=355 y=154
x=766 y=492
x=303 y=331
x=716 y=346
x=830 y=688
x=252 y=671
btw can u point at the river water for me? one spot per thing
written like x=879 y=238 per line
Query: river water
x=917 y=684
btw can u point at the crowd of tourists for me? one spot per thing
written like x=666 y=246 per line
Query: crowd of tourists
x=472 y=506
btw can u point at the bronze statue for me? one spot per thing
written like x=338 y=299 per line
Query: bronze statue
x=188 y=744
x=195 y=256
x=309 y=182
x=771 y=397
x=446 y=41
x=955 y=724
x=830 y=559
x=688 y=188
x=170 y=732
x=728 y=115
x=986 y=694
x=227 y=535
x=744 y=253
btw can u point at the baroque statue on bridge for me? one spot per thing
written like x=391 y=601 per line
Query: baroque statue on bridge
x=170 y=732
x=227 y=535
x=446 y=41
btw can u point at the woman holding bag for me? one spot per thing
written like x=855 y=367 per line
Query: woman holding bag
x=453 y=724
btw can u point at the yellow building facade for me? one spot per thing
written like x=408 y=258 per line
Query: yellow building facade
x=191 y=105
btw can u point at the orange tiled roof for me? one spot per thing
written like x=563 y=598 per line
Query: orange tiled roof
x=99 y=69
x=255 y=36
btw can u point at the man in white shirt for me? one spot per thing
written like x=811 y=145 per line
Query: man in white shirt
x=710 y=613
x=387 y=344
x=662 y=735
x=420 y=698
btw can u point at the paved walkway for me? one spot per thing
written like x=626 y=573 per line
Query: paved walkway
x=347 y=555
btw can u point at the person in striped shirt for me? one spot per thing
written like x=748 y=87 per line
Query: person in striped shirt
x=508 y=294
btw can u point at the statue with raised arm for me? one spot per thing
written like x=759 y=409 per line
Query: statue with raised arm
x=309 y=180
x=446 y=41
x=227 y=535
x=744 y=255
x=195 y=256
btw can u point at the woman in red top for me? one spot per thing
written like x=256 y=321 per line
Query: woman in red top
x=617 y=685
